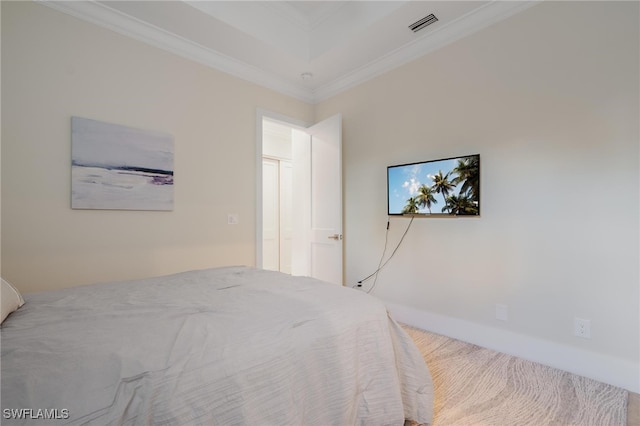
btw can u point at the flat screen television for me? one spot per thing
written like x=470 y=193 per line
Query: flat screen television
x=446 y=187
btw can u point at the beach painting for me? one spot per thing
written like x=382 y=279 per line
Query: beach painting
x=115 y=167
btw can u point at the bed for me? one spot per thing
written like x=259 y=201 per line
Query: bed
x=221 y=346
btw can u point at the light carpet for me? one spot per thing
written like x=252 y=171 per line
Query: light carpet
x=480 y=387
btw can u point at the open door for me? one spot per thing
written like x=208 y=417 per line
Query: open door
x=317 y=201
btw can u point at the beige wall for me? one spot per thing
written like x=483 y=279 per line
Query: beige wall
x=55 y=66
x=549 y=99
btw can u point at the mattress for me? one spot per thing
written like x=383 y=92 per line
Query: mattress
x=221 y=346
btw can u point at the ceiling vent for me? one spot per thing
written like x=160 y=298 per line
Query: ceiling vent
x=427 y=20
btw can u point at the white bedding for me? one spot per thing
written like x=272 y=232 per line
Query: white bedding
x=224 y=346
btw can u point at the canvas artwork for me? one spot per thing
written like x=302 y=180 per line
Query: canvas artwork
x=120 y=168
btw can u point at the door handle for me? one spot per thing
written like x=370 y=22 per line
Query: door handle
x=336 y=237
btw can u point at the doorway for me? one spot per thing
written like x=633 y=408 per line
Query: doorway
x=277 y=188
x=299 y=197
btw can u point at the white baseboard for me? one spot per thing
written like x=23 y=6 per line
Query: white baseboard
x=600 y=367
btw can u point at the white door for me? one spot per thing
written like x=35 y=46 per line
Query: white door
x=276 y=214
x=286 y=215
x=317 y=201
x=270 y=214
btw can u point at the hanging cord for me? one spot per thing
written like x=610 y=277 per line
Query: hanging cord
x=380 y=264
x=375 y=281
x=384 y=251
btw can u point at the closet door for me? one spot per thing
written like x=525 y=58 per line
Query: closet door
x=286 y=215
x=270 y=215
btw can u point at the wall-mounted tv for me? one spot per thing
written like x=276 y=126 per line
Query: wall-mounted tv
x=449 y=187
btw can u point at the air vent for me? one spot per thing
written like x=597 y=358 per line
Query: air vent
x=427 y=20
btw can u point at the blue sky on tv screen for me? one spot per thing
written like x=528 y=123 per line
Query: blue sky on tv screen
x=404 y=182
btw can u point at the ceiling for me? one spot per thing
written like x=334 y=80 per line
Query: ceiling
x=310 y=50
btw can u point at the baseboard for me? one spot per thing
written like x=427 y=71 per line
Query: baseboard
x=600 y=367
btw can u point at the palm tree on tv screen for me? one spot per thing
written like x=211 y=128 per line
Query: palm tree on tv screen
x=442 y=185
x=459 y=187
x=461 y=204
x=468 y=173
x=411 y=207
x=425 y=197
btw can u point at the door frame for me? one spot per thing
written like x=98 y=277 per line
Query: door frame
x=262 y=114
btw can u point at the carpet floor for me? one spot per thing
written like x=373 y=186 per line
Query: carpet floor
x=476 y=386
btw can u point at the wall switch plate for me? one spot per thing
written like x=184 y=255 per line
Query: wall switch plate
x=233 y=219
x=582 y=328
x=502 y=313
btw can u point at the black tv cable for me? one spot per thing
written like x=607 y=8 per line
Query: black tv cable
x=381 y=265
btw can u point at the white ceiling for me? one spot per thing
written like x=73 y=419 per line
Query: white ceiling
x=334 y=44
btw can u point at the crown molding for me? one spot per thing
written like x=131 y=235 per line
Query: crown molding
x=106 y=17
x=448 y=33
x=102 y=15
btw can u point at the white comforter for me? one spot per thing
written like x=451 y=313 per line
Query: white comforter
x=225 y=346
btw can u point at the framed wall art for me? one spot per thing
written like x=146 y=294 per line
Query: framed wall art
x=116 y=167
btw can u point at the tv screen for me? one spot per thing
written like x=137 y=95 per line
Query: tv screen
x=449 y=187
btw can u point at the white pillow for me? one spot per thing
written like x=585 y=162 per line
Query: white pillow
x=10 y=299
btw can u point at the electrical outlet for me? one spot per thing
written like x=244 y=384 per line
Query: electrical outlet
x=501 y=312
x=582 y=328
